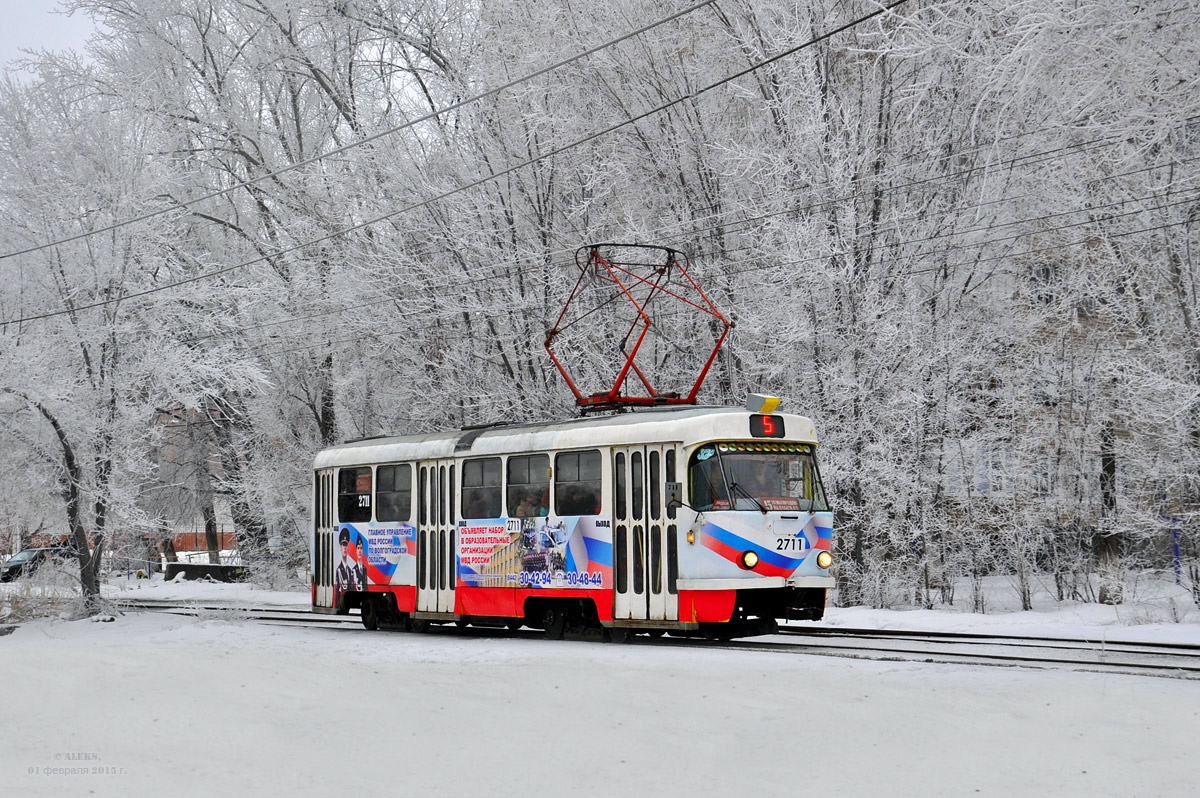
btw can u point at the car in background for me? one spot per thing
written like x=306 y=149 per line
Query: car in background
x=25 y=562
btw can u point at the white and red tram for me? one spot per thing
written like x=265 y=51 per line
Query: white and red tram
x=706 y=520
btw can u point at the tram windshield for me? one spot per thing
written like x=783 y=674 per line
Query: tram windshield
x=755 y=476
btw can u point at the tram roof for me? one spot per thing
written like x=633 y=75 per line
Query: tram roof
x=688 y=425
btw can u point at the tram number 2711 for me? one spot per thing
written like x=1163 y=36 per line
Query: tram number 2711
x=789 y=544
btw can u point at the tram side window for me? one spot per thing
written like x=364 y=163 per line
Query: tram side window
x=804 y=481
x=327 y=499
x=354 y=495
x=707 y=481
x=529 y=486
x=393 y=493
x=481 y=490
x=316 y=502
x=671 y=508
x=577 y=483
x=619 y=487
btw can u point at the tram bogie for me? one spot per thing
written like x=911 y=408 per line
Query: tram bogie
x=694 y=521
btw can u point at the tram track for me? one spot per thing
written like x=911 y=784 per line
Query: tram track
x=990 y=638
x=1170 y=660
x=289 y=616
x=965 y=650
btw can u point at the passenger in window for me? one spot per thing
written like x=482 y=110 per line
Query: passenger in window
x=580 y=501
x=528 y=506
x=477 y=505
x=470 y=504
x=566 y=501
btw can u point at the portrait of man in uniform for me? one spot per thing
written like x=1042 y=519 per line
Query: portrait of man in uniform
x=349 y=575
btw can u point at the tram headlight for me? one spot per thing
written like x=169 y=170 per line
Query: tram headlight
x=824 y=559
x=749 y=560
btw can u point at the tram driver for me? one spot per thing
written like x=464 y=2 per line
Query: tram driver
x=759 y=481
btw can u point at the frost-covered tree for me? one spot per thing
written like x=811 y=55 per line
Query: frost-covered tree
x=962 y=237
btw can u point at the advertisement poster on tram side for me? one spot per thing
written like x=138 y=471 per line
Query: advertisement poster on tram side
x=380 y=554
x=540 y=552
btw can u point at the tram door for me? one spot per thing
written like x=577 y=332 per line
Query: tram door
x=437 y=536
x=644 y=549
x=323 y=538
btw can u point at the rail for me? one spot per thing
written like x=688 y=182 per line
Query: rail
x=1171 y=660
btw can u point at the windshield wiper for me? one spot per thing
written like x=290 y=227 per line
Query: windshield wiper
x=738 y=488
x=734 y=486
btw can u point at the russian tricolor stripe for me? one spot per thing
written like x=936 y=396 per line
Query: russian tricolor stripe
x=731 y=547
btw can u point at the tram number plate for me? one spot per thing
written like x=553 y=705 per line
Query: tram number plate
x=789 y=544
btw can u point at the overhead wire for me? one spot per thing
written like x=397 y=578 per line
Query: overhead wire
x=510 y=311
x=987 y=242
x=1007 y=163
x=180 y=205
x=759 y=267
x=464 y=187
x=695 y=256
x=770 y=265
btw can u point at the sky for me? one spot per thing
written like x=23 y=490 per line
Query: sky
x=38 y=25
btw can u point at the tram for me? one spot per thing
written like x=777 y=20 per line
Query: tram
x=683 y=519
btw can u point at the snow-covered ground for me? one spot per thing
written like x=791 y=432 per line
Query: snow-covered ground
x=1156 y=612
x=153 y=704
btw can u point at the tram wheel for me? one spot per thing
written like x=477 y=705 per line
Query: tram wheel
x=554 y=621
x=620 y=634
x=656 y=633
x=419 y=625
x=514 y=624
x=370 y=614
x=718 y=632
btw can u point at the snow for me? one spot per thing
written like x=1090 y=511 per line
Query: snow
x=203 y=592
x=199 y=706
